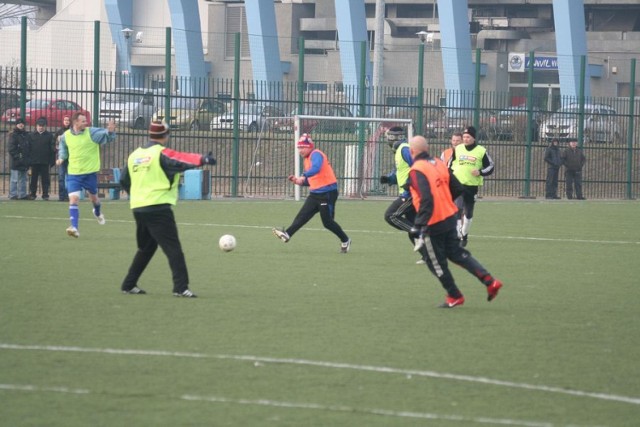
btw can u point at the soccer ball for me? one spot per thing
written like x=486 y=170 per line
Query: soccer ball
x=227 y=243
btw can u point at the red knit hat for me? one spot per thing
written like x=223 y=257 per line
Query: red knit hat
x=158 y=129
x=305 y=141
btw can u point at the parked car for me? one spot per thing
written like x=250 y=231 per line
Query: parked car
x=51 y=109
x=511 y=124
x=600 y=124
x=429 y=113
x=192 y=113
x=132 y=107
x=452 y=120
x=286 y=124
x=252 y=118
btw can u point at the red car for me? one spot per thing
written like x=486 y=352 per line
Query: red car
x=52 y=109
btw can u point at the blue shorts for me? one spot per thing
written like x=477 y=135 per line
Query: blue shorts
x=88 y=181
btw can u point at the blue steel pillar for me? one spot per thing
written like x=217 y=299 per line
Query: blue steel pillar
x=187 y=40
x=120 y=15
x=571 y=45
x=264 y=47
x=459 y=73
x=351 y=21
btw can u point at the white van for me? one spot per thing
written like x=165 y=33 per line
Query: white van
x=133 y=107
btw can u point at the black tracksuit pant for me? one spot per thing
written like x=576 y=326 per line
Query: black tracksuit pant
x=157 y=228
x=444 y=247
x=325 y=203
x=40 y=171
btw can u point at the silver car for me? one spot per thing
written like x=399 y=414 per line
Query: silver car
x=600 y=124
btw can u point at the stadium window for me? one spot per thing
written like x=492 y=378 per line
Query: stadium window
x=315 y=87
x=236 y=22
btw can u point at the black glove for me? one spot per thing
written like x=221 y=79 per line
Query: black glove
x=384 y=179
x=209 y=159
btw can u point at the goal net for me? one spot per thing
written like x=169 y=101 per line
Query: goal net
x=356 y=147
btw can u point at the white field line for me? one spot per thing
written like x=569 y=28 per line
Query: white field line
x=331 y=365
x=305 y=406
x=33 y=388
x=267 y=227
x=368 y=411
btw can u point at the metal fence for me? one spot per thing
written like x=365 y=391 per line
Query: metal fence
x=247 y=124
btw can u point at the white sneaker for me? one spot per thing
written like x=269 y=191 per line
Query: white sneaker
x=281 y=234
x=100 y=218
x=73 y=232
x=420 y=261
x=345 y=246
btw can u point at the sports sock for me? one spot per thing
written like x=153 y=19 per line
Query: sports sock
x=97 y=209
x=74 y=215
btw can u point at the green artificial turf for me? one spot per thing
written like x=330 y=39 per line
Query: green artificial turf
x=298 y=334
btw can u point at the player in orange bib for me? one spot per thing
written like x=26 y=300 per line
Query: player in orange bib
x=433 y=188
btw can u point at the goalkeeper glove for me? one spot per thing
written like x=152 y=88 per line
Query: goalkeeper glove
x=418 y=233
x=209 y=159
x=384 y=179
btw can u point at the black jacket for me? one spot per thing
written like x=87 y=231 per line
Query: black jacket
x=552 y=156
x=573 y=159
x=42 y=148
x=19 y=150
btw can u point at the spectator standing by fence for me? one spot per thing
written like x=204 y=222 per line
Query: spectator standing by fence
x=80 y=145
x=20 y=160
x=573 y=160
x=553 y=158
x=42 y=148
x=63 y=196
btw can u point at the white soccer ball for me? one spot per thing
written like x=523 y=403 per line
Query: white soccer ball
x=227 y=243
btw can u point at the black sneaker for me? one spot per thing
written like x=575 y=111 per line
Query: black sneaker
x=134 y=291
x=186 y=294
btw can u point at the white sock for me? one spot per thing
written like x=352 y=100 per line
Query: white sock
x=459 y=228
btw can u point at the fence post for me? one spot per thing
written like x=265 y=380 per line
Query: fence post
x=476 y=89
x=23 y=65
x=632 y=95
x=420 y=125
x=236 y=117
x=300 y=75
x=527 y=161
x=96 y=73
x=581 y=102
x=167 y=75
x=362 y=111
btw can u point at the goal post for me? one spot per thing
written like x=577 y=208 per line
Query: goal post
x=354 y=154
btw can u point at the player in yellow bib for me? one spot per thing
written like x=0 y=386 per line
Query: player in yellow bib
x=470 y=163
x=151 y=178
x=80 y=146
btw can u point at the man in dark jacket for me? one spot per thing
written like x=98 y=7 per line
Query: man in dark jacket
x=573 y=160
x=19 y=151
x=554 y=161
x=42 y=148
